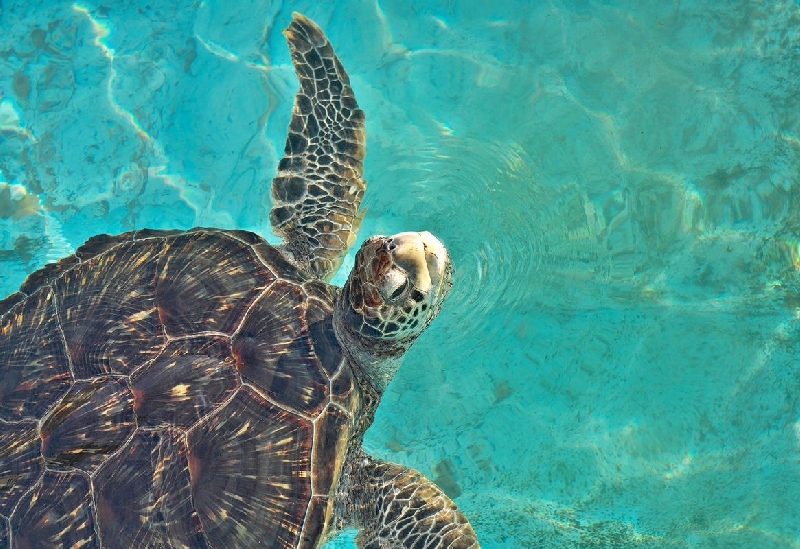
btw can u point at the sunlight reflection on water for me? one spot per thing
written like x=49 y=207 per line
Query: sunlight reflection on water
x=616 y=182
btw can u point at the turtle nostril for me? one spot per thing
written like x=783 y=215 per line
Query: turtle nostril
x=399 y=290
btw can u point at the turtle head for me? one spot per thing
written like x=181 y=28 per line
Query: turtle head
x=396 y=287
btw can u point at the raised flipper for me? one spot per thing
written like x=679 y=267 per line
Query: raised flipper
x=318 y=189
x=395 y=507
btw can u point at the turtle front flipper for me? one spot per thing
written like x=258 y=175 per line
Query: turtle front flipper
x=395 y=507
x=318 y=189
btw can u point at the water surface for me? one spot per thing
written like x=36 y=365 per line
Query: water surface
x=618 y=185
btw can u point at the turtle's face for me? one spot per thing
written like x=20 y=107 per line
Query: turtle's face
x=396 y=288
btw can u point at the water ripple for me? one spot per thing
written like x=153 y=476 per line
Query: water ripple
x=482 y=199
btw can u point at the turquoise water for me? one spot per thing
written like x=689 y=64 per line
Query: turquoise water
x=618 y=185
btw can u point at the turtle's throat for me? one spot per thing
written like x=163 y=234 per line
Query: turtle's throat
x=375 y=361
x=371 y=370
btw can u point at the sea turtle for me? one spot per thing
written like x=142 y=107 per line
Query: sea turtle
x=206 y=389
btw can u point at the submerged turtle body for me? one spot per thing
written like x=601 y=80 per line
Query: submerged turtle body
x=207 y=389
x=202 y=368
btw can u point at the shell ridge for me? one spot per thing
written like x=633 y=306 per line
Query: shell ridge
x=247 y=312
x=252 y=247
x=124 y=444
x=284 y=407
x=184 y=437
x=93 y=500
x=216 y=409
x=21 y=498
x=63 y=337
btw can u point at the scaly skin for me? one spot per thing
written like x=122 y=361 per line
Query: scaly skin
x=396 y=507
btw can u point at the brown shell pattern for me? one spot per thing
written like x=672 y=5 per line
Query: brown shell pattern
x=171 y=389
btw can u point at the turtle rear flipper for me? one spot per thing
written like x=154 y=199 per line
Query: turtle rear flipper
x=395 y=507
x=318 y=189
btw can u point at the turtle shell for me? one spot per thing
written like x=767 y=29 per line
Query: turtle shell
x=171 y=389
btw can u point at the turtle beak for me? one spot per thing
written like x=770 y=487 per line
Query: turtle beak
x=436 y=257
x=422 y=256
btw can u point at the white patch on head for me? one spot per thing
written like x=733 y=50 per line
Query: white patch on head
x=436 y=257
x=409 y=252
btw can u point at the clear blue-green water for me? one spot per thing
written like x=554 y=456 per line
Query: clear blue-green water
x=618 y=184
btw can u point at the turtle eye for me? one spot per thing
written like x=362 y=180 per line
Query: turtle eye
x=393 y=285
x=400 y=289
